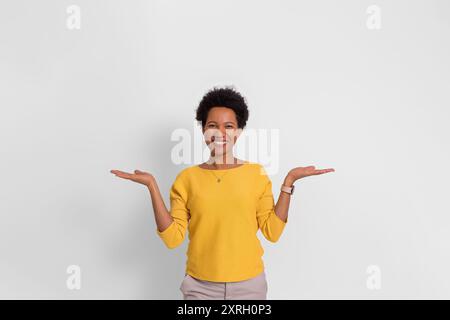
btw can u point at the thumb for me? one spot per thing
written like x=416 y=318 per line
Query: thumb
x=137 y=171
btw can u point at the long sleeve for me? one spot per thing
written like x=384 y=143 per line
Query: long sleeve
x=174 y=234
x=268 y=222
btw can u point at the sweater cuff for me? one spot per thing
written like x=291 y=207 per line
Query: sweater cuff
x=283 y=223
x=166 y=231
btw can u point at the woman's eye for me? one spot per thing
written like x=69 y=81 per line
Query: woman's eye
x=213 y=125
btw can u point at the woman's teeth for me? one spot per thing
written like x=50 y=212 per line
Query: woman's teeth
x=220 y=142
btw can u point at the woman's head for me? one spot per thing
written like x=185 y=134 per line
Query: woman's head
x=223 y=113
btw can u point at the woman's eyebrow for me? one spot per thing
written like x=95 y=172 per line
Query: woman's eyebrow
x=224 y=122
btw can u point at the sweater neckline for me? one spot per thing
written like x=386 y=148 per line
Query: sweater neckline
x=242 y=165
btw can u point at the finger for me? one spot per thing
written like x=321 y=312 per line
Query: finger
x=118 y=172
x=123 y=174
x=324 y=171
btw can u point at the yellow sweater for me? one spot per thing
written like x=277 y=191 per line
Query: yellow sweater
x=222 y=219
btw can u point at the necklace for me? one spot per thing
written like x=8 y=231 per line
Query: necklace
x=218 y=179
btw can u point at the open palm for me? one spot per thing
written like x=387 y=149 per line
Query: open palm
x=301 y=172
x=138 y=176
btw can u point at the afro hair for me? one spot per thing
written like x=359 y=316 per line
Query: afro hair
x=223 y=97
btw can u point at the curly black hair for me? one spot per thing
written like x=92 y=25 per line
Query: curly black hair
x=223 y=97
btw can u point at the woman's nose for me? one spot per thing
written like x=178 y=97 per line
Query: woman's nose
x=223 y=134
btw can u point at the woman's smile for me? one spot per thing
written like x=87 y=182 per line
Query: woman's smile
x=220 y=143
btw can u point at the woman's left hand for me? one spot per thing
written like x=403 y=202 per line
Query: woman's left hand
x=301 y=172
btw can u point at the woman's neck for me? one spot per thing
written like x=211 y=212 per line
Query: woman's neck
x=223 y=162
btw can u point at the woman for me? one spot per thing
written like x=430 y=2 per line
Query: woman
x=223 y=203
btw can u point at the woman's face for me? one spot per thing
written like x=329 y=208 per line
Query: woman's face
x=221 y=130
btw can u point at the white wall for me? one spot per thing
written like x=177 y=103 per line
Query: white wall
x=371 y=103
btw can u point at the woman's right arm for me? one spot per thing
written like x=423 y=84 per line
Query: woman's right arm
x=163 y=218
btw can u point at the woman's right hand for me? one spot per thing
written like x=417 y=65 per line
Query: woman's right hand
x=138 y=176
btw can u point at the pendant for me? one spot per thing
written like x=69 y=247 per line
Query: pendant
x=218 y=180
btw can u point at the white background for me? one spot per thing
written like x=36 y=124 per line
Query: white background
x=372 y=104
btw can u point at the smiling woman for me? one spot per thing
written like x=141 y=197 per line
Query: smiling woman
x=222 y=203
x=223 y=114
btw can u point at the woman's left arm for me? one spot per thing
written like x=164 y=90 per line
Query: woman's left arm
x=282 y=206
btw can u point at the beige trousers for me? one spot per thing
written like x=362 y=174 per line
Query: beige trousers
x=250 y=289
